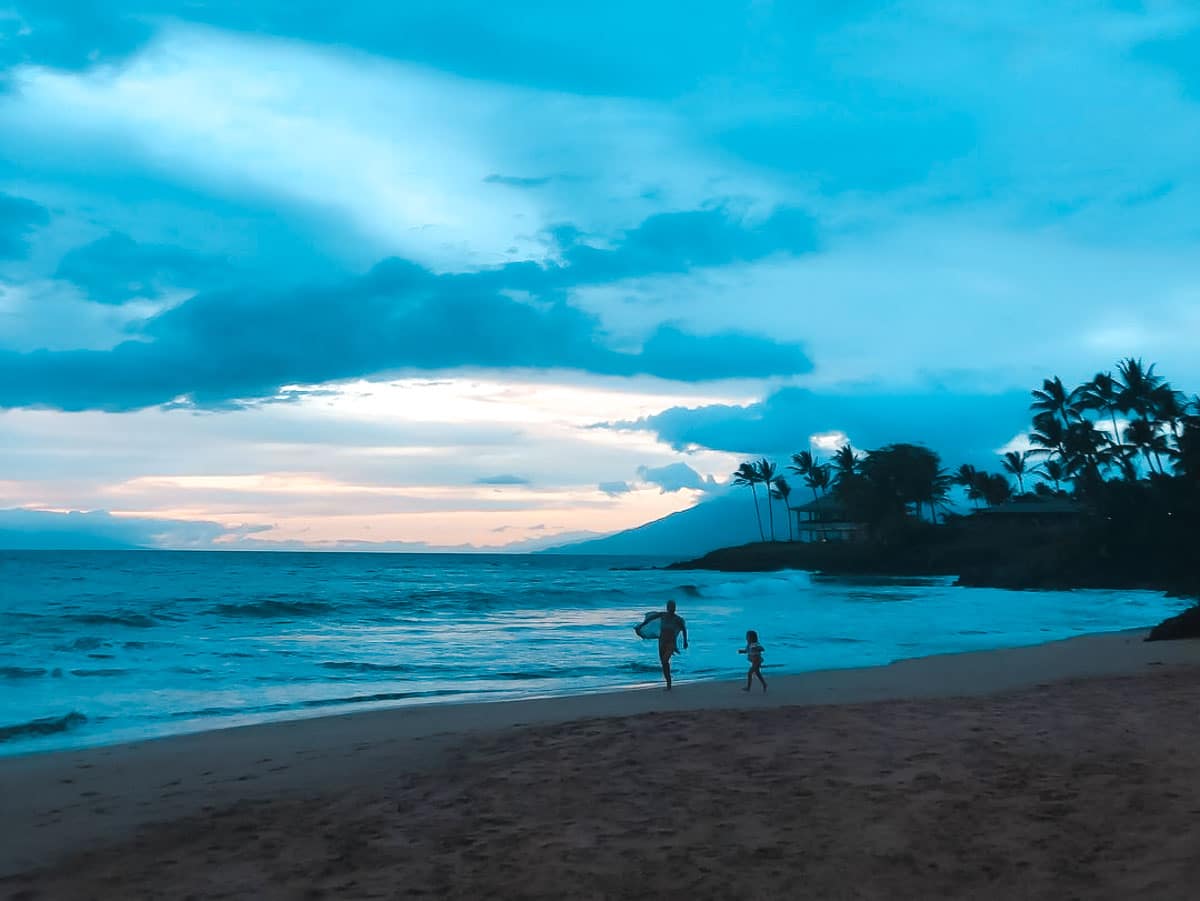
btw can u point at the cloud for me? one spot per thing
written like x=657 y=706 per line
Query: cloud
x=675 y=477
x=680 y=242
x=98 y=529
x=221 y=346
x=502 y=480
x=70 y=34
x=961 y=427
x=117 y=268
x=514 y=181
x=524 y=42
x=613 y=489
x=18 y=217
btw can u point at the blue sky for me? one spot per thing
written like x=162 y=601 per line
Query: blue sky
x=455 y=273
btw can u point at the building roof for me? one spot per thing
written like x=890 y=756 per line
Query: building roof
x=824 y=504
x=1038 y=506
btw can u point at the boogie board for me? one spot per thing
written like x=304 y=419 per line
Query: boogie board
x=651 y=626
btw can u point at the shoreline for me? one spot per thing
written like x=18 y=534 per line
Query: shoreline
x=60 y=802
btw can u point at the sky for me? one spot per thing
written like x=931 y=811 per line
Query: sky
x=457 y=274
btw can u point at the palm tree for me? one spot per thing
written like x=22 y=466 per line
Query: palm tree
x=766 y=475
x=1102 y=395
x=802 y=463
x=968 y=477
x=1187 y=453
x=782 y=492
x=1085 y=450
x=1053 y=398
x=1143 y=435
x=995 y=488
x=1053 y=471
x=1049 y=435
x=845 y=463
x=818 y=477
x=933 y=492
x=1170 y=407
x=1014 y=464
x=1136 y=386
x=747 y=474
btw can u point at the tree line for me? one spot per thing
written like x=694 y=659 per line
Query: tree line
x=1126 y=426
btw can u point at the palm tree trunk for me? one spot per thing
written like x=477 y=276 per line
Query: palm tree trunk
x=757 y=513
x=789 y=516
x=771 y=512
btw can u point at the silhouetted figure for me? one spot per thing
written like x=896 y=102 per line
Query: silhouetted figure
x=672 y=625
x=754 y=653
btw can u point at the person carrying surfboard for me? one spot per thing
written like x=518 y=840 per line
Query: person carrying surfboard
x=669 y=625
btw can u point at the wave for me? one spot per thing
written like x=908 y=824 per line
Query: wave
x=784 y=582
x=50 y=725
x=355 y=666
x=270 y=609
x=88 y=643
x=383 y=696
x=323 y=702
x=99 y=672
x=21 y=672
x=452 y=595
x=638 y=667
x=137 y=620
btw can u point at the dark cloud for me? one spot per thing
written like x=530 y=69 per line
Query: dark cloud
x=675 y=477
x=526 y=42
x=98 y=529
x=671 y=243
x=502 y=480
x=233 y=344
x=614 y=488
x=117 y=268
x=961 y=427
x=515 y=181
x=18 y=217
x=74 y=34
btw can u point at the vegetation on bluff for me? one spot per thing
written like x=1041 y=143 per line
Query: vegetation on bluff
x=1106 y=494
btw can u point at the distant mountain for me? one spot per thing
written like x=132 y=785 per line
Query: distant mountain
x=724 y=520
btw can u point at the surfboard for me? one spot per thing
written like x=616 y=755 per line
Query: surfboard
x=651 y=626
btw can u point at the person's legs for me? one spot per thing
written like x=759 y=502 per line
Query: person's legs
x=756 y=670
x=664 y=654
x=749 y=676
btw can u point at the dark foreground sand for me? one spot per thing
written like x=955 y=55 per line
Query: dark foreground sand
x=1087 y=788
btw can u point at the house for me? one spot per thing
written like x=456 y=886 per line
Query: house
x=826 y=519
x=1038 y=511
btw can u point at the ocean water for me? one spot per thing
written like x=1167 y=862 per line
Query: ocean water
x=106 y=646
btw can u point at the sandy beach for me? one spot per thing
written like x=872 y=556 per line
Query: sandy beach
x=1065 y=770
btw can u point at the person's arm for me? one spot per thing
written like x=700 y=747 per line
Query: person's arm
x=683 y=629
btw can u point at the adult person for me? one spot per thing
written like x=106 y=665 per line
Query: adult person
x=670 y=626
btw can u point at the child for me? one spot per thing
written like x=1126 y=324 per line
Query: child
x=754 y=653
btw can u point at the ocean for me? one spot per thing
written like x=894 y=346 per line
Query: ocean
x=108 y=646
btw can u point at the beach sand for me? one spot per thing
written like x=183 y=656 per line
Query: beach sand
x=1065 y=770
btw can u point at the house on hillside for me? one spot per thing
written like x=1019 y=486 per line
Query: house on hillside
x=826 y=519
x=1037 y=511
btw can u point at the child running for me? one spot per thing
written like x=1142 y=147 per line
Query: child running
x=754 y=653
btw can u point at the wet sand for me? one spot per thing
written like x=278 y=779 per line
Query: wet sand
x=1065 y=770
